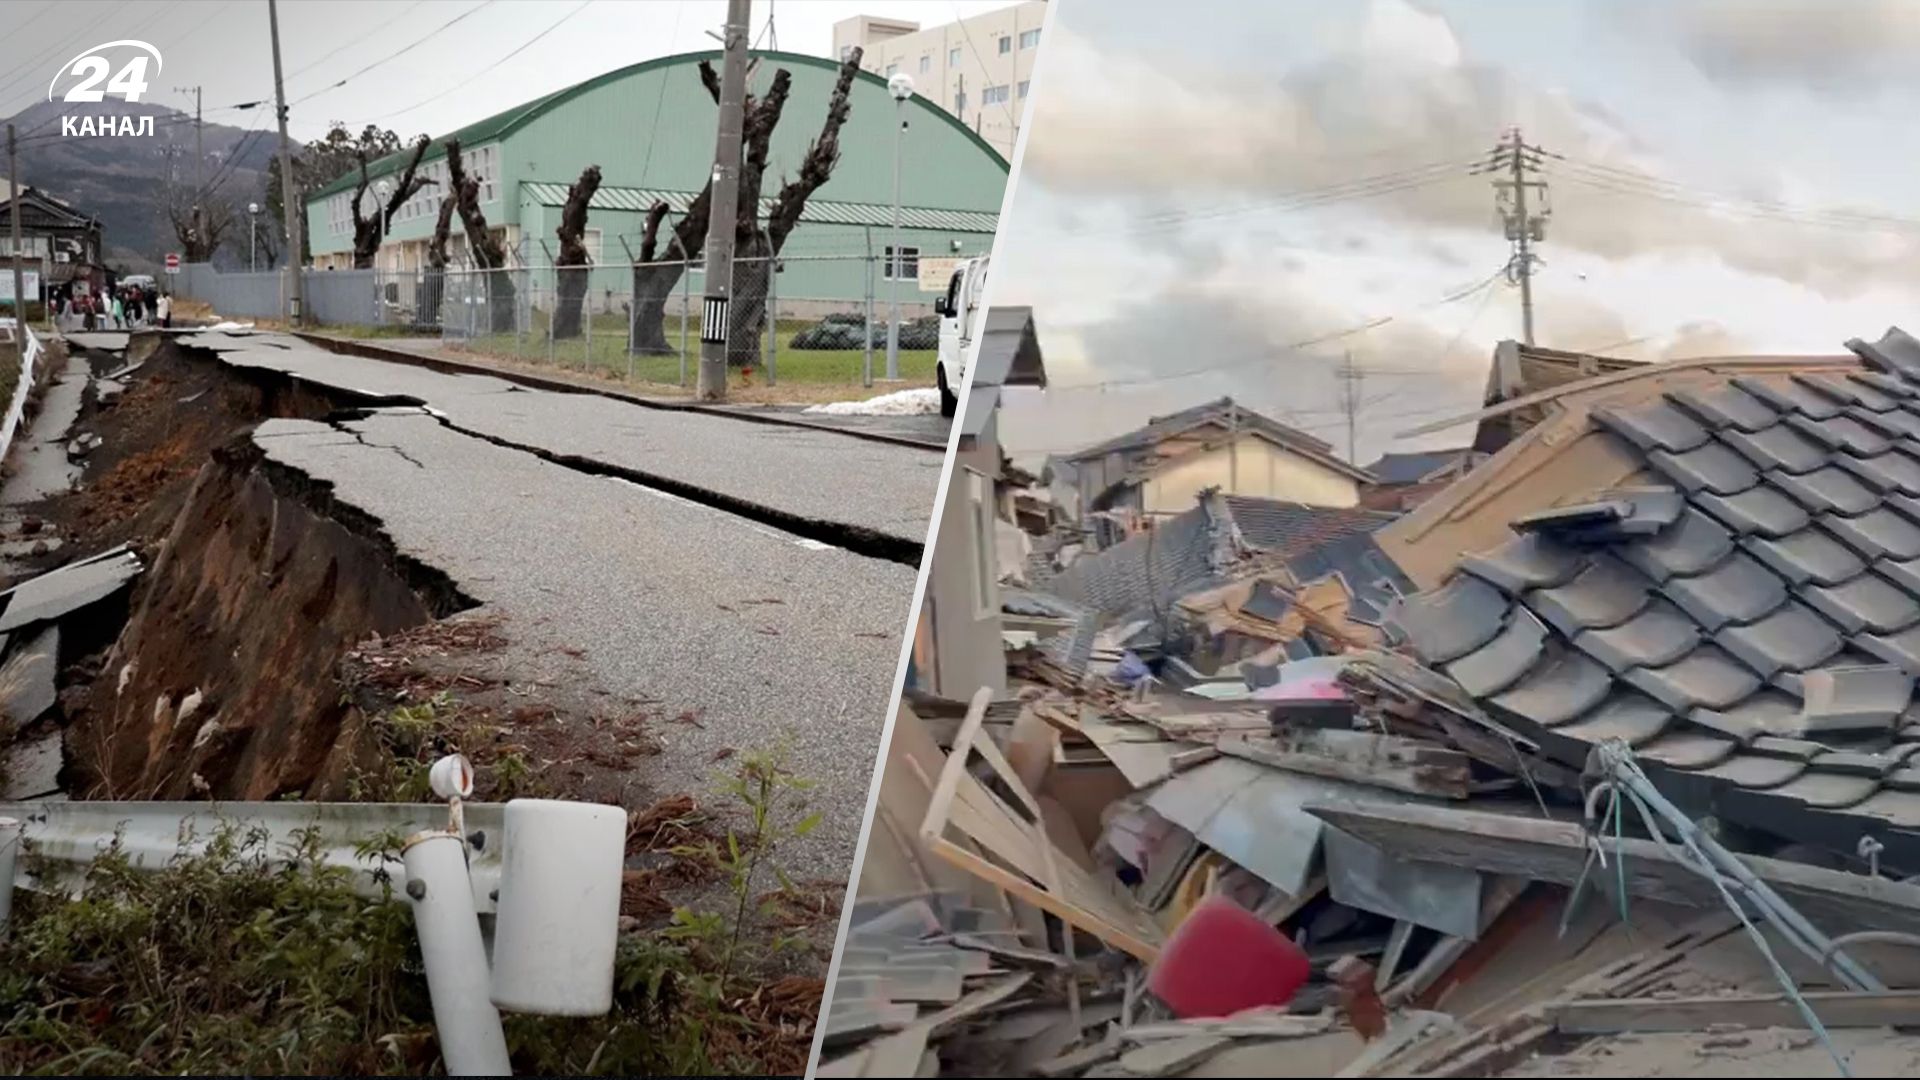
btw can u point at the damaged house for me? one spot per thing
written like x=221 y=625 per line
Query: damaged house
x=1595 y=762
x=1157 y=471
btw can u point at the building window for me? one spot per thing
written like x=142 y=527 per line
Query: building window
x=926 y=63
x=909 y=264
x=845 y=51
x=892 y=70
x=1006 y=45
x=1024 y=84
x=953 y=57
x=994 y=95
x=1028 y=39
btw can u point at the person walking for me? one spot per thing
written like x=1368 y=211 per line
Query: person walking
x=118 y=313
x=163 y=308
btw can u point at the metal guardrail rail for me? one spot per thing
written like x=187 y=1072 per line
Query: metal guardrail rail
x=68 y=836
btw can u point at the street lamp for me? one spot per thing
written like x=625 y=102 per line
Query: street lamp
x=901 y=87
x=380 y=190
x=253 y=237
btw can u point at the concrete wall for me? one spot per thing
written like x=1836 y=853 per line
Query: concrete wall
x=954 y=64
x=1262 y=469
x=963 y=587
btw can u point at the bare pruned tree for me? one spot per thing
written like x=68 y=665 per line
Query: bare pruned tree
x=433 y=283
x=662 y=261
x=368 y=232
x=572 y=266
x=200 y=227
x=485 y=249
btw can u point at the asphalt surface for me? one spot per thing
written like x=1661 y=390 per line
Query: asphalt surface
x=795 y=473
x=772 y=639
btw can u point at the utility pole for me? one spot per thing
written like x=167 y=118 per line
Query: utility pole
x=1524 y=225
x=290 y=208
x=715 y=314
x=1350 y=379
x=199 y=174
x=19 y=279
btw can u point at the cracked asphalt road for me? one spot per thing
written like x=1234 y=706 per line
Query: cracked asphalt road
x=771 y=638
x=809 y=475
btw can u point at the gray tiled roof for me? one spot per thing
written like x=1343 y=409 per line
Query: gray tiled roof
x=1759 y=648
x=1411 y=468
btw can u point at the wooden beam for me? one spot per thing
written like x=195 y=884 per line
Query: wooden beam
x=1543 y=850
x=1360 y=757
x=1836 y=1009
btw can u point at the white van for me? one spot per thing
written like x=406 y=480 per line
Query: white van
x=960 y=312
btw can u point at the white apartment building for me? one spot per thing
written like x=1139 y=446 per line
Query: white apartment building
x=978 y=69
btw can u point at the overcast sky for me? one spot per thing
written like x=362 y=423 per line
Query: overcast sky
x=1729 y=173
x=223 y=45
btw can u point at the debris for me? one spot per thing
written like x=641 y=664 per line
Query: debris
x=27 y=686
x=74 y=586
x=920 y=401
x=1224 y=960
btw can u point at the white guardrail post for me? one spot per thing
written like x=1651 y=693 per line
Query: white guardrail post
x=549 y=871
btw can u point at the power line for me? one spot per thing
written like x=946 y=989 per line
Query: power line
x=1006 y=106
x=1634 y=178
x=1750 y=210
x=36 y=66
x=487 y=70
x=1307 y=198
x=404 y=12
x=1266 y=358
x=660 y=103
x=402 y=51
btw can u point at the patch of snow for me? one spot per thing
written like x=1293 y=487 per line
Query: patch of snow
x=229 y=324
x=917 y=402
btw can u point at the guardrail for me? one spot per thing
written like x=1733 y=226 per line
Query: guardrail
x=17 y=407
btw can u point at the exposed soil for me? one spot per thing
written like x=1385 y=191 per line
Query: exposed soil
x=279 y=646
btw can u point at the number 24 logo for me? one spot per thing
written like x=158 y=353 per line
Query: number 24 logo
x=130 y=82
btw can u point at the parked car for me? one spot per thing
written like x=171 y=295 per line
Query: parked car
x=959 y=310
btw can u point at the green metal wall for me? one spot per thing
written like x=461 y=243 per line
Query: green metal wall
x=652 y=126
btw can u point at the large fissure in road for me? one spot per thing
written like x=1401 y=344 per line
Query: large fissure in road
x=218 y=678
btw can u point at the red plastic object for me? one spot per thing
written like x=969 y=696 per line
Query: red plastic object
x=1222 y=960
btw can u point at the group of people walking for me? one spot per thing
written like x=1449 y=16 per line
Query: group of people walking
x=126 y=308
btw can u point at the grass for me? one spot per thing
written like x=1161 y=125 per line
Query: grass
x=608 y=355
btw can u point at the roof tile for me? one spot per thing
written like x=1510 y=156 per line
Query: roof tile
x=1706 y=676
x=1653 y=426
x=1688 y=546
x=1878 y=534
x=1791 y=638
x=1763 y=510
x=1808 y=555
x=1738 y=590
x=1755 y=772
x=1689 y=750
x=1658 y=635
x=1768 y=712
x=1826 y=490
x=1866 y=603
x=1501 y=662
x=1529 y=561
x=1713 y=467
x=1781 y=446
x=1886 y=384
x=1896 y=354
x=1607 y=593
x=1891 y=471
x=1725 y=406
x=1563 y=685
x=1846 y=391
x=1788 y=397
x=1841 y=433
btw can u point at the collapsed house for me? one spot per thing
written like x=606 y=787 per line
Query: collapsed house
x=1597 y=759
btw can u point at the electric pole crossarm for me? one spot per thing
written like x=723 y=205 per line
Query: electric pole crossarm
x=1523 y=224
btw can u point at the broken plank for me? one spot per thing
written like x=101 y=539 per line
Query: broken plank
x=1556 y=851
x=1361 y=757
x=1836 y=1009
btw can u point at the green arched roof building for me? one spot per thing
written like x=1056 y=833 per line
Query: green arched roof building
x=650 y=127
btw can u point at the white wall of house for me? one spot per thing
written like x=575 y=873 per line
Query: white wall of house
x=963 y=587
x=1257 y=468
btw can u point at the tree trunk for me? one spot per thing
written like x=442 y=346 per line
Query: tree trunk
x=653 y=285
x=572 y=267
x=752 y=274
x=488 y=255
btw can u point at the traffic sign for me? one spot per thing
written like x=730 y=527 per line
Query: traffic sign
x=173 y=262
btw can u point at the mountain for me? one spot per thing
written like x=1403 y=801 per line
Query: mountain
x=121 y=179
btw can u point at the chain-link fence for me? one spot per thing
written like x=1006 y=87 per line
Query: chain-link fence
x=799 y=319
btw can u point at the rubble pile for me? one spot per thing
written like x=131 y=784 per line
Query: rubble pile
x=1602 y=749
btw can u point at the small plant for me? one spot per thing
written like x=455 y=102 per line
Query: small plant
x=772 y=798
